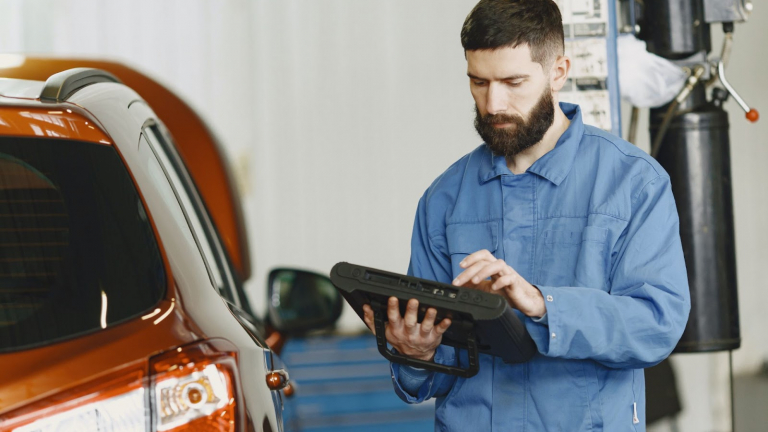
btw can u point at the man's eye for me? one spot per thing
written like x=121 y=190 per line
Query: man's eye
x=514 y=83
x=479 y=83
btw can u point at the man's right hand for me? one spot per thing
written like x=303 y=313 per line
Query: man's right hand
x=406 y=334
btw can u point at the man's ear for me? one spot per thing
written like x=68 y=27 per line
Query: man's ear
x=561 y=67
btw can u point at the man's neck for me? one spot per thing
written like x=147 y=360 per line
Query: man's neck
x=520 y=162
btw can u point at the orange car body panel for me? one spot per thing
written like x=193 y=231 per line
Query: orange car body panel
x=39 y=373
x=59 y=121
x=195 y=143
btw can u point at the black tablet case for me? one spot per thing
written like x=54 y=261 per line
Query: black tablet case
x=480 y=322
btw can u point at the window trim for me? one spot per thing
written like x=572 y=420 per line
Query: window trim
x=230 y=284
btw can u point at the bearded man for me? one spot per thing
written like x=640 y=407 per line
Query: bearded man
x=575 y=227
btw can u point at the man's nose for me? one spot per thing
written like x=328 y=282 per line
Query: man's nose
x=497 y=101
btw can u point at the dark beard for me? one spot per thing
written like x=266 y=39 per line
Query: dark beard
x=520 y=135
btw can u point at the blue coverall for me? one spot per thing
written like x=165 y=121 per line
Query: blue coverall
x=593 y=225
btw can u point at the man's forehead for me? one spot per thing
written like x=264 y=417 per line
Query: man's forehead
x=502 y=62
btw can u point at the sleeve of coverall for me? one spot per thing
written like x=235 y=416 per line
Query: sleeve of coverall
x=639 y=321
x=427 y=261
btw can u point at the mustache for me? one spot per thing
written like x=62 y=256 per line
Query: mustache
x=501 y=118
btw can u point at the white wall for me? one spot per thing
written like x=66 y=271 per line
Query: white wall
x=339 y=114
x=358 y=107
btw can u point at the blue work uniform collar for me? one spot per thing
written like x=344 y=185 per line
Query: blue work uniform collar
x=555 y=164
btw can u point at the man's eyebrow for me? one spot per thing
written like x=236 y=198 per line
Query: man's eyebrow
x=509 y=78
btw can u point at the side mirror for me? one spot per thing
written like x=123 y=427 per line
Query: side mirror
x=300 y=301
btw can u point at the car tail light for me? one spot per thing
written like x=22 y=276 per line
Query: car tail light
x=119 y=408
x=195 y=388
x=192 y=388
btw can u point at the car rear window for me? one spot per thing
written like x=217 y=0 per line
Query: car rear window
x=77 y=251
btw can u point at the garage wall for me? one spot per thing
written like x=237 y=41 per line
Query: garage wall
x=338 y=114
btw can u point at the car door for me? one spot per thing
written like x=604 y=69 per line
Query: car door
x=218 y=266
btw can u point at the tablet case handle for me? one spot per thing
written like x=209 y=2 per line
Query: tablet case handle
x=379 y=318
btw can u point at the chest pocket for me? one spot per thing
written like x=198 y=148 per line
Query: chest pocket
x=467 y=238
x=575 y=258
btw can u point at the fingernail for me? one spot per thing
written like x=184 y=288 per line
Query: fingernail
x=462 y=264
x=456 y=281
x=475 y=280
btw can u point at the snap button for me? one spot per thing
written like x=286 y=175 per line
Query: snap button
x=553 y=335
x=549 y=298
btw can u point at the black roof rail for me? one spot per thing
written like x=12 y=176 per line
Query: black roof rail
x=59 y=87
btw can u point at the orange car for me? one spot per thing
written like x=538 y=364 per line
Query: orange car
x=122 y=258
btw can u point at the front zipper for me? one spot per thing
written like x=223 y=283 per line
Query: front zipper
x=635 y=420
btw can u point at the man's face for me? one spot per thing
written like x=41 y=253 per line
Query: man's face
x=513 y=98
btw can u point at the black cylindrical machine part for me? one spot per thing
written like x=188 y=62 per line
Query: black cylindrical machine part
x=675 y=29
x=696 y=154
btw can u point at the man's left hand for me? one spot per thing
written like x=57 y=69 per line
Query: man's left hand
x=520 y=294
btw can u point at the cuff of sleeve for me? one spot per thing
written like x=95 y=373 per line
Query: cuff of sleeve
x=414 y=385
x=543 y=320
x=413 y=373
x=544 y=330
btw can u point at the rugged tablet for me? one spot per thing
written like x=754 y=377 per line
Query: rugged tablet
x=480 y=322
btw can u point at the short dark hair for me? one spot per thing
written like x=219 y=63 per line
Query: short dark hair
x=495 y=24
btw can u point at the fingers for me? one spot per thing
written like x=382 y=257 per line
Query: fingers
x=428 y=323
x=481 y=255
x=443 y=326
x=497 y=268
x=405 y=333
x=467 y=275
x=475 y=264
x=507 y=280
x=393 y=313
x=481 y=265
x=410 y=320
x=368 y=317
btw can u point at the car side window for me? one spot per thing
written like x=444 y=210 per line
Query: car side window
x=195 y=215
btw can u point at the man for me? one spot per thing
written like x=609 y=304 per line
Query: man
x=576 y=228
